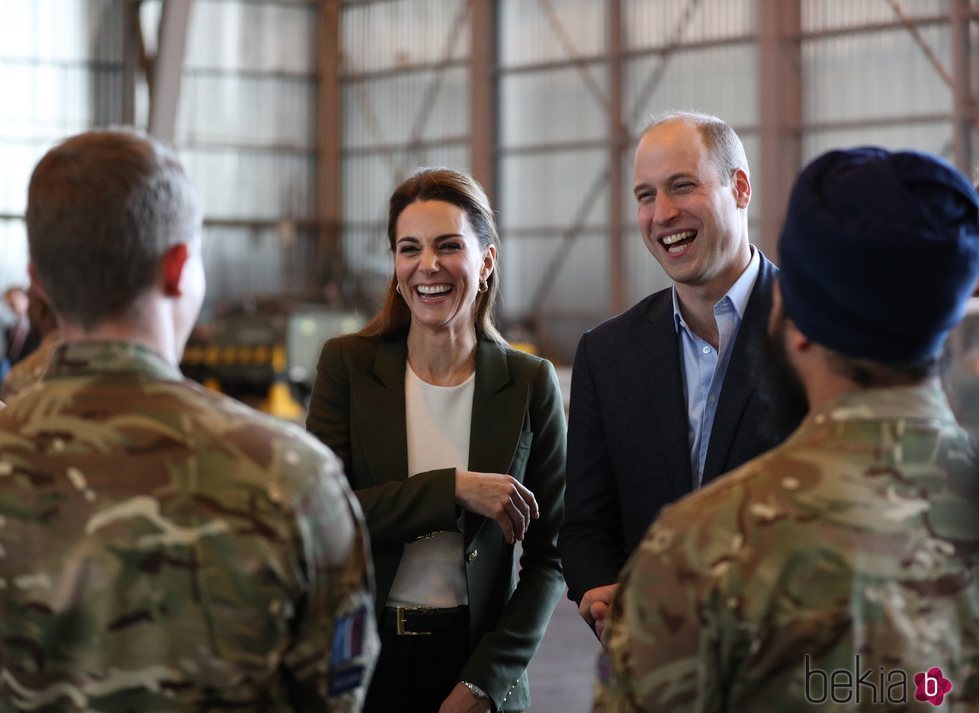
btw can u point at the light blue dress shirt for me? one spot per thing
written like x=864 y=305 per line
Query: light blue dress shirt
x=704 y=367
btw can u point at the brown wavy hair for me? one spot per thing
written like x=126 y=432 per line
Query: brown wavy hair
x=463 y=191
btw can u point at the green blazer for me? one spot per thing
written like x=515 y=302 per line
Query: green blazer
x=518 y=427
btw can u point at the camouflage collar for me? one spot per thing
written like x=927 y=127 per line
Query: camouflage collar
x=923 y=402
x=105 y=357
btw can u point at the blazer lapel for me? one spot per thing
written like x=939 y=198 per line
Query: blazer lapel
x=381 y=413
x=499 y=408
x=742 y=372
x=661 y=389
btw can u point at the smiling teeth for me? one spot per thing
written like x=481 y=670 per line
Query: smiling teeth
x=670 y=239
x=433 y=289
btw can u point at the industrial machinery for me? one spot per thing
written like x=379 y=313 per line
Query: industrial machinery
x=265 y=356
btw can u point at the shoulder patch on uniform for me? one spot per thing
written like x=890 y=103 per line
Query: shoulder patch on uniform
x=604 y=671
x=348 y=638
x=345 y=679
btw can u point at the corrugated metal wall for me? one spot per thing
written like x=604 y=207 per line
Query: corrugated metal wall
x=60 y=69
x=246 y=133
x=245 y=127
x=405 y=103
x=870 y=71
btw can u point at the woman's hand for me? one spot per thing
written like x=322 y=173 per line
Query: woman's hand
x=461 y=700
x=500 y=497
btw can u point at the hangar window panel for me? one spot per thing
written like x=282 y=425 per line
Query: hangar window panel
x=823 y=15
x=251 y=184
x=883 y=75
x=656 y=24
x=547 y=190
x=400 y=34
x=523 y=259
x=533 y=32
x=717 y=80
x=245 y=261
x=210 y=111
x=251 y=36
x=400 y=109
x=548 y=107
x=933 y=136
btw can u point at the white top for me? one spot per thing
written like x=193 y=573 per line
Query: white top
x=432 y=572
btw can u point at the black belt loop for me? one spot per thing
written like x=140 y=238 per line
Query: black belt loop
x=424 y=621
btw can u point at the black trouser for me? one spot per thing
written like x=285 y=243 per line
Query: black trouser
x=415 y=673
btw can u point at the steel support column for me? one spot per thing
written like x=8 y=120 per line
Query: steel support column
x=132 y=60
x=165 y=85
x=483 y=95
x=618 y=283
x=964 y=117
x=329 y=114
x=779 y=113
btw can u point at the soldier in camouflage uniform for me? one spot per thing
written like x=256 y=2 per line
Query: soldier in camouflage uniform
x=838 y=570
x=162 y=547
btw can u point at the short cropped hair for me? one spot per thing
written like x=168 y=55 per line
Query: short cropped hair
x=721 y=141
x=102 y=209
x=463 y=191
x=871 y=373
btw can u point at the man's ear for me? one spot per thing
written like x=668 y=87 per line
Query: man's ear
x=174 y=260
x=795 y=340
x=36 y=284
x=742 y=188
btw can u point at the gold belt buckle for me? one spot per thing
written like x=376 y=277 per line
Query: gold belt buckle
x=401 y=621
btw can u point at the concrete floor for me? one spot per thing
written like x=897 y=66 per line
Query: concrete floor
x=562 y=672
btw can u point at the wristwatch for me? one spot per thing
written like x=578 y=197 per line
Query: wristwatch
x=475 y=690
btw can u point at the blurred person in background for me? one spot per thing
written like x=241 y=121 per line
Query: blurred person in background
x=31 y=368
x=21 y=337
x=454 y=444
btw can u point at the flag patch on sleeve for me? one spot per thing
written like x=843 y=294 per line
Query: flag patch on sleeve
x=348 y=638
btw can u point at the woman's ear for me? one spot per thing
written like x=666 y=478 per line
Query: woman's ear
x=489 y=263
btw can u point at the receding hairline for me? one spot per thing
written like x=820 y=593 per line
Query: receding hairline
x=713 y=132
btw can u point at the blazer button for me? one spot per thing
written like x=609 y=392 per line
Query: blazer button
x=472 y=555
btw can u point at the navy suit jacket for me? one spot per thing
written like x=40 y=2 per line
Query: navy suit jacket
x=628 y=445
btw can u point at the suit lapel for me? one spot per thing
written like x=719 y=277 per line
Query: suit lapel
x=662 y=391
x=499 y=407
x=742 y=372
x=381 y=412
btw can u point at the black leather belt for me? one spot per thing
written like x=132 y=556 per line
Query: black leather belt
x=424 y=621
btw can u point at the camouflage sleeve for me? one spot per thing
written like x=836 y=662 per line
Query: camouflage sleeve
x=664 y=638
x=336 y=644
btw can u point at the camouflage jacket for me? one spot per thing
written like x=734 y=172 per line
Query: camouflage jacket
x=164 y=548
x=839 y=569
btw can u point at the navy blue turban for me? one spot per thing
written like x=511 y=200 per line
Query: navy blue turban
x=879 y=253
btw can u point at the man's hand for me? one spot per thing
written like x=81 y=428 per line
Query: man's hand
x=594 y=607
x=499 y=497
x=461 y=700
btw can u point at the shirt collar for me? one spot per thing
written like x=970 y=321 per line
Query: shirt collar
x=739 y=293
x=109 y=357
